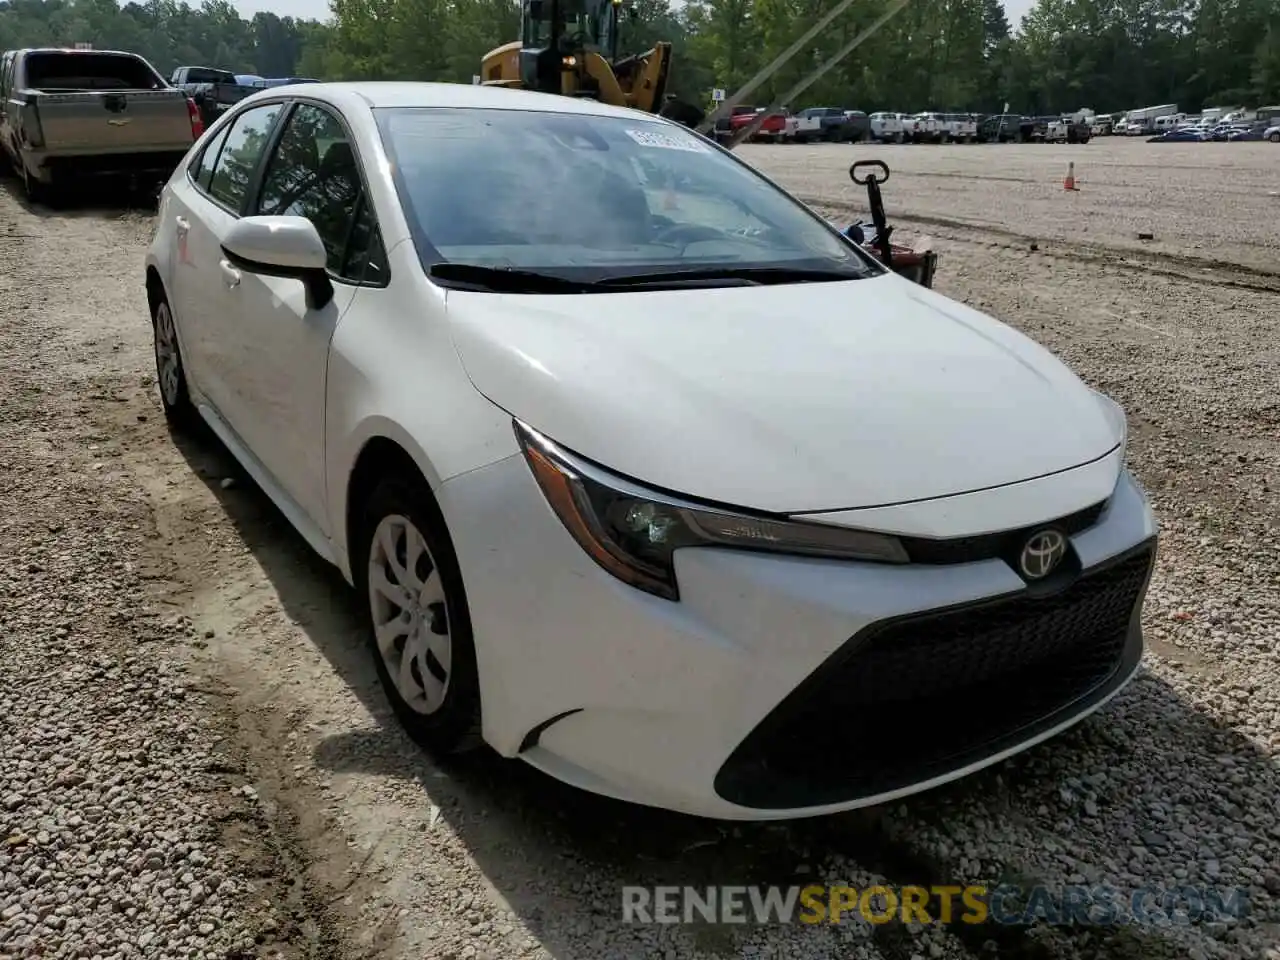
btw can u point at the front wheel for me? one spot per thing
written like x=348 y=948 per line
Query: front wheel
x=419 y=623
x=1274 y=138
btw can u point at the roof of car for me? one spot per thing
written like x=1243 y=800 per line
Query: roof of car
x=378 y=94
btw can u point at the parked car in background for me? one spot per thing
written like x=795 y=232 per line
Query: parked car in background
x=1181 y=135
x=888 y=127
x=1067 y=130
x=778 y=127
x=821 y=123
x=960 y=127
x=212 y=89
x=1244 y=133
x=927 y=128
x=269 y=83
x=858 y=127
x=583 y=564
x=1001 y=128
x=723 y=130
x=70 y=114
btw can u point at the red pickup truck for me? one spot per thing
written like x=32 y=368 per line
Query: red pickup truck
x=778 y=127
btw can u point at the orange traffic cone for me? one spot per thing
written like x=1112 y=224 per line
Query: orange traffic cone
x=1069 y=181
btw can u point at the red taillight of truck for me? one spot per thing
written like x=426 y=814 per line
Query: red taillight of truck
x=197 y=121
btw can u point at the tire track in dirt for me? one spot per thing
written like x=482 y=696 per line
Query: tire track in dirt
x=1197 y=269
x=77 y=320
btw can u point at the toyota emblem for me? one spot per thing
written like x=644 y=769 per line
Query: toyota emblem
x=1042 y=554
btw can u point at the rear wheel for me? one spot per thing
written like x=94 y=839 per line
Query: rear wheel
x=170 y=374
x=1274 y=138
x=419 y=624
x=35 y=190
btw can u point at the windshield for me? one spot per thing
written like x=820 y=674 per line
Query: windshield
x=590 y=197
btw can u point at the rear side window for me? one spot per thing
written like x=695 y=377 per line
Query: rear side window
x=202 y=168
x=243 y=148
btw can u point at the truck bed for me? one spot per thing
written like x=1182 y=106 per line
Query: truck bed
x=127 y=121
x=103 y=103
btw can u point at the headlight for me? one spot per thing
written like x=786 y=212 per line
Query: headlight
x=633 y=533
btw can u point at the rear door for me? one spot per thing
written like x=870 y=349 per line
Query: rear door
x=204 y=203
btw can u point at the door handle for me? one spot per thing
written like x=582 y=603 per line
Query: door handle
x=229 y=273
x=183 y=224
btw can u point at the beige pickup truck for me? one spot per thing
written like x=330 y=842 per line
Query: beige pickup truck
x=70 y=114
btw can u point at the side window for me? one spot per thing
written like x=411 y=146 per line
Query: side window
x=240 y=153
x=202 y=166
x=314 y=174
x=5 y=62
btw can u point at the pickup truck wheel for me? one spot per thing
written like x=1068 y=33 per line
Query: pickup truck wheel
x=170 y=374
x=35 y=190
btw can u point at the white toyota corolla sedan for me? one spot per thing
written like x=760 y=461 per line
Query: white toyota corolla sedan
x=646 y=474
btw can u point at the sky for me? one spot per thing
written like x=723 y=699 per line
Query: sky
x=319 y=9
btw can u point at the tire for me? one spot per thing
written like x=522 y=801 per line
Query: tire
x=1274 y=138
x=36 y=191
x=436 y=697
x=171 y=374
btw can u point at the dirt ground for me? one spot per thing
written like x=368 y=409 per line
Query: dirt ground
x=351 y=843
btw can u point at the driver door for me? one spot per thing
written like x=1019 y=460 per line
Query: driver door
x=313 y=172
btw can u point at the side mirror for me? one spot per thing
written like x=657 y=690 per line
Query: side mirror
x=281 y=247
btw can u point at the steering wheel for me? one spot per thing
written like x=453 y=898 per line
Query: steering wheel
x=687 y=233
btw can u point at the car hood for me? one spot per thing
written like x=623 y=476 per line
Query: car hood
x=787 y=398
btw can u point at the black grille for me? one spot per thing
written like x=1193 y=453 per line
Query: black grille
x=910 y=699
x=1005 y=544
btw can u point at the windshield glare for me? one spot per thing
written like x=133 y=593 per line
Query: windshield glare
x=590 y=196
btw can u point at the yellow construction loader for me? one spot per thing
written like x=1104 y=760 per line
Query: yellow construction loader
x=570 y=47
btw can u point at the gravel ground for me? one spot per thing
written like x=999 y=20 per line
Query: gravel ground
x=197 y=762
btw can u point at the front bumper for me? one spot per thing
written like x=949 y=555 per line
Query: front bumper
x=781 y=687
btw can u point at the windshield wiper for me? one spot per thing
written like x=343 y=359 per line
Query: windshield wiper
x=506 y=279
x=510 y=280
x=749 y=275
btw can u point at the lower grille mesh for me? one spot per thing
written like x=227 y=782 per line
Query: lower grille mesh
x=914 y=698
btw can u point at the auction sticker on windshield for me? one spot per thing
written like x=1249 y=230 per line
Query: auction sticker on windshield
x=662 y=141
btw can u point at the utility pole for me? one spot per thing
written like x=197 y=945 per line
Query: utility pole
x=749 y=130
x=747 y=88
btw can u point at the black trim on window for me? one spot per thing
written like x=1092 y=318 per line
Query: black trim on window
x=253 y=191
x=365 y=196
